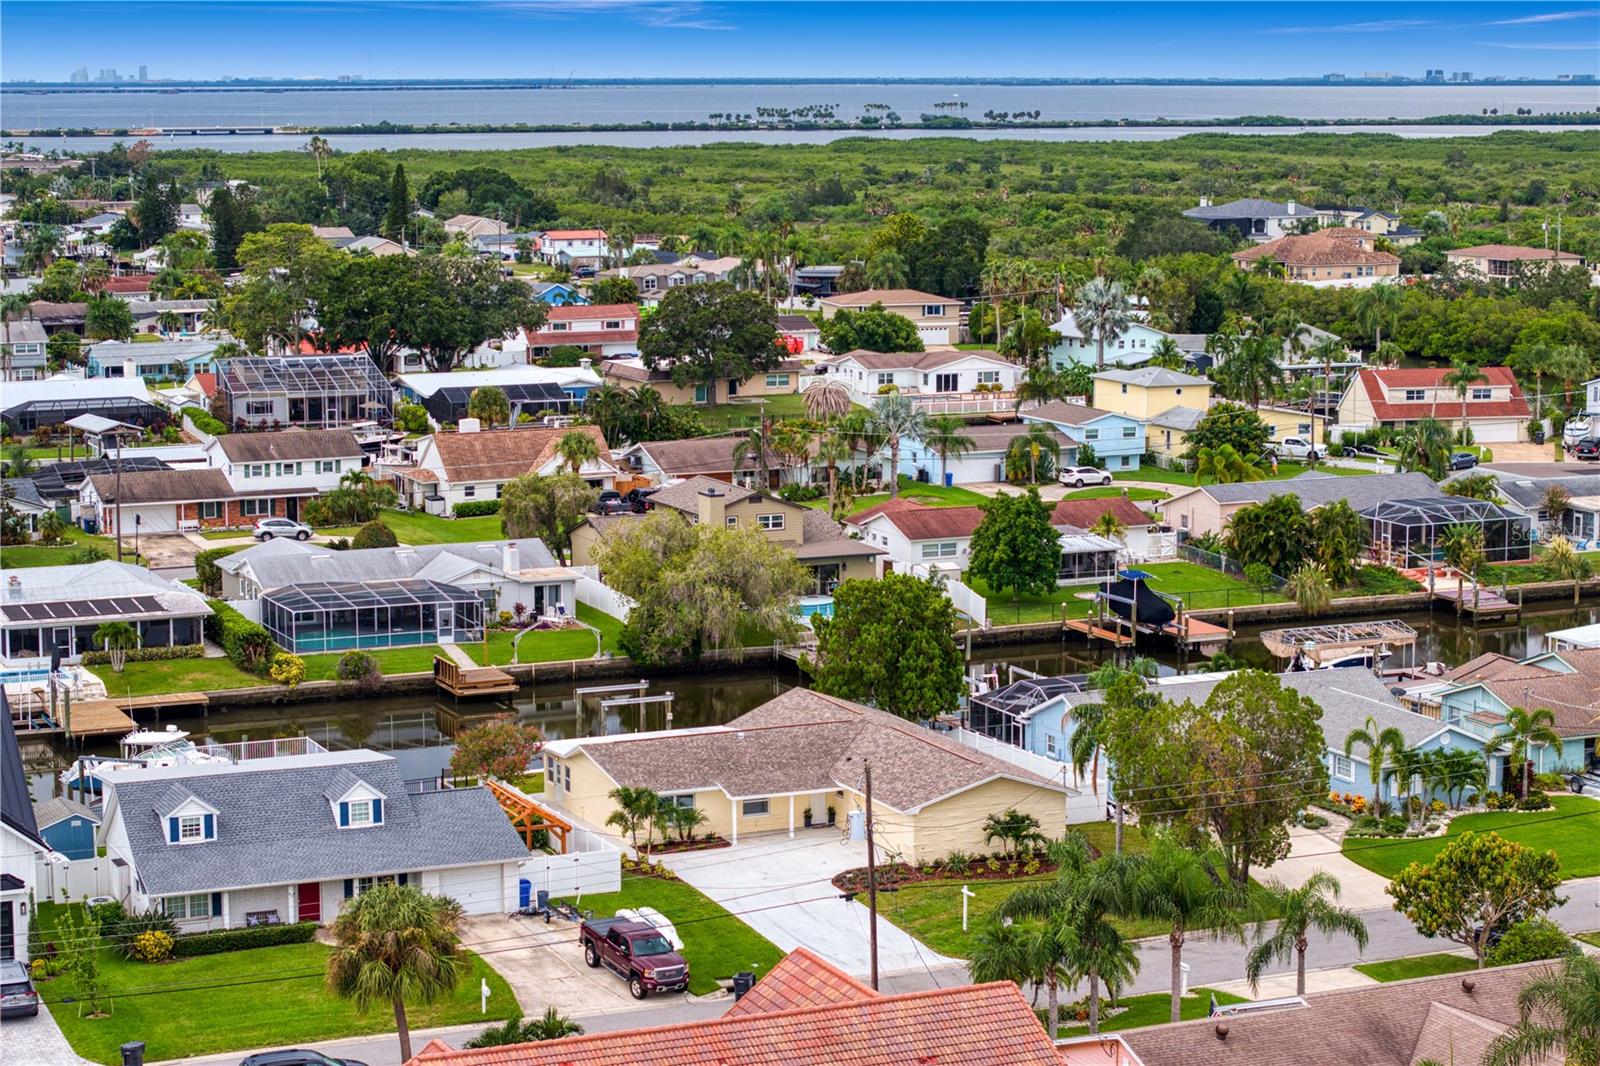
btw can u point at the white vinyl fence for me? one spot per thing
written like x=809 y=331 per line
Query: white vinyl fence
x=1082 y=806
x=72 y=879
x=599 y=596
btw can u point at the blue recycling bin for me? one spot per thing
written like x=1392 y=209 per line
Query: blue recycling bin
x=524 y=893
x=949 y=479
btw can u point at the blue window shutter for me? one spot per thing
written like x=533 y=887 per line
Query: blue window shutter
x=211 y=826
x=172 y=830
x=401 y=879
x=344 y=814
x=349 y=887
x=377 y=811
x=216 y=904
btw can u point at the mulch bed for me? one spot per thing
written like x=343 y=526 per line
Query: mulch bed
x=698 y=844
x=902 y=873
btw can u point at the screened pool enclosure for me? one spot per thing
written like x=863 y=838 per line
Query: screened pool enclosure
x=372 y=614
x=1406 y=533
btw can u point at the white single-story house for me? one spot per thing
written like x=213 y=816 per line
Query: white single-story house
x=47 y=607
x=472 y=464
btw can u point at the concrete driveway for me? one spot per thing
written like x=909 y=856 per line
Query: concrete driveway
x=1313 y=850
x=165 y=551
x=544 y=966
x=781 y=888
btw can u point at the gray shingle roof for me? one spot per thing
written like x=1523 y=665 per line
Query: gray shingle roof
x=289 y=445
x=275 y=825
x=1529 y=492
x=1314 y=489
x=47 y=813
x=1248 y=208
x=1152 y=377
x=170 y=800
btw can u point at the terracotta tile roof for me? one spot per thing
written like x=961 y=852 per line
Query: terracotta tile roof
x=206 y=382
x=289 y=445
x=502 y=454
x=918 y=521
x=887 y=297
x=584 y=312
x=1395 y=1024
x=972 y=1025
x=128 y=283
x=1316 y=249
x=1512 y=251
x=1376 y=383
x=165 y=486
x=574 y=234
x=1084 y=513
x=800 y=979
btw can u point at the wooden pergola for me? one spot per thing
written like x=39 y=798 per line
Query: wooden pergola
x=527 y=817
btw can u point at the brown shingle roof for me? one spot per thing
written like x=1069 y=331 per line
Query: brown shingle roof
x=796 y=324
x=1378 y=1025
x=685 y=495
x=1084 y=513
x=918 y=521
x=1316 y=249
x=699 y=455
x=915 y=360
x=165 y=486
x=289 y=445
x=1067 y=414
x=502 y=454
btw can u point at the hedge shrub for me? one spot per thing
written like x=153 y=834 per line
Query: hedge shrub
x=260 y=936
x=1531 y=940
x=475 y=508
x=147 y=655
x=247 y=643
x=374 y=535
x=205 y=568
x=206 y=422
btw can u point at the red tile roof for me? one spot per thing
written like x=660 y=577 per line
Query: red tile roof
x=206 y=383
x=973 y=1025
x=129 y=283
x=1512 y=251
x=918 y=521
x=801 y=979
x=585 y=312
x=1084 y=513
x=1377 y=382
x=1316 y=249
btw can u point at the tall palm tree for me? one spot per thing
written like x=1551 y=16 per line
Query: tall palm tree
x=887 y=270
x=1103 y=312
x=827 y=399
x=1382 y=744
x=1039 y=384
x=1534 y=361
x=41 y=248
x=1560 y=1017
x=577 y=448
x=1554 y=504
x=945 y=437
x=1426 y=447
x=1251 y=369
x=757 y=445
x=1377 y=307
x=1109 y=526
x=393 y=944
x=1476 y=487
x=894 y=418
x=1312 y=906
x=1521 y=730
x=1465 y=371
x=1327 y=351
x=833 y=448
x=1178 y=887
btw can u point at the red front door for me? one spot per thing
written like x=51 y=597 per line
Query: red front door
x=310 y=898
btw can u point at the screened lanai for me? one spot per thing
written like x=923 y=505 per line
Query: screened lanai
x=449 y=404
x=1003 y=713
x=322 y=616
x=1406 y=533
x=326 y=391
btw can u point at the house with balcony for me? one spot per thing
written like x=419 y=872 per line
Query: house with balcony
x=475 y=464
x=937 y=318
x=49 y=607
x=290 y=838
x=605 y=331
x=1499 y=262
x=1117 y=440
x=940 y=381
x=23 y=354
x=1495 y=409
x=654 y=280
x=1338 y=257
x=574 y=248
x=313 y=391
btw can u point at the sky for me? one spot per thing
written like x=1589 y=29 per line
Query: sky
x=204 y=39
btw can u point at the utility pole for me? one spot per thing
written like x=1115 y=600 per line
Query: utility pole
x=872 y=884
x=1111 y=780
x=118 y=438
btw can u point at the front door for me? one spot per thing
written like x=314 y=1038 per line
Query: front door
x=8 y=934
x=291 y=508
x=946 y=382
x=447 y=625
x=309 y=899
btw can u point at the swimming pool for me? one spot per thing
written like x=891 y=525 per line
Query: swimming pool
x=807 y=606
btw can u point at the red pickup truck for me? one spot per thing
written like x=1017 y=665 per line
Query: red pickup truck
x=636 y=952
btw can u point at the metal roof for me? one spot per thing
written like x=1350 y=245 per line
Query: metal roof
x=356 y=595
x=300 y=374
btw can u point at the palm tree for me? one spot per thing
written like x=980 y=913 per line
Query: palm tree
x=553 y=1025
x=887 y=270
x=636 y=809
x=827 y=399
x=1560 y=1017
x=1310 y=588
x=1024 y=953
x=944 y=436
x=1039 y=384
x=1039 y=441
x=1455 y=770
x=1521 y=730
x=894 y=418
x=169 y=322
x=1377 y=307
x=1382 y=743
x=1476 y=487
x=1462 y=544
x=1251 y=367
x=757 y=445
x=1466 y=371
x=117 y=638
x=1535 y=361
x=318 y=149
x=1109 y=526
x=1103 y=312
x=1563 y=561
x=791 y=442
x=1223 y=465
x=577 y=448
x=1312 y=906
x=42 y=248
x=1426 y=447
x=1017 y=832
x=393 y=944
x=1180 y=888
x=1554 y=505
x=833 y=448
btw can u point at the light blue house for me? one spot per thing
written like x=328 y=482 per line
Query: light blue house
x=1348 y=696
x=67 y=826
x=1134 y=348
x=1118 y=440
x=160 y=360
x=1476 y=697
x=558 y=294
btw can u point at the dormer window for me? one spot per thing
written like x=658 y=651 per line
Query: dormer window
x=192 y=827
x=360 y=813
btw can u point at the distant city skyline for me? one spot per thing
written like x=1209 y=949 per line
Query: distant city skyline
x=427 y=39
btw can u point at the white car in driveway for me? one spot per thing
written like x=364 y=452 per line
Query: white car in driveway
x=268 y=528
x=1294 y=448
x=1079 y=476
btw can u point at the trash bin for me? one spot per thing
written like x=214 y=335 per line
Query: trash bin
x=133 y=1053
x=743 y=981
x=524 y=893
x=949 y=479
x=1538 y=436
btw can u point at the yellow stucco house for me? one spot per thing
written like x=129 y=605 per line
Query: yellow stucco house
x=1169 y=402
x=805 y=753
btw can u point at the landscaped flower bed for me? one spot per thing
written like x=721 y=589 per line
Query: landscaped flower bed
x=699 y=843
x=996 y=867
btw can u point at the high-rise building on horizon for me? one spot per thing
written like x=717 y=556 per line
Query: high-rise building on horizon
x=144 y=72
x=80 y=75
x=108 y=75
x=1433 y=75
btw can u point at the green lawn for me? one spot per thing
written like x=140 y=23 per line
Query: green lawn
x=265 y=996
x=1590 y=938
x=1199 y=586
x=210 y=675
x=1183 y=477
x=1106 y=492
x=15 y=556
x=920 y=491
x=1154 y=1008
x=1570 y=829
x=414 y=527
x=743 y=414
x=555 y=645
x=1416 y=966
x=716 y=944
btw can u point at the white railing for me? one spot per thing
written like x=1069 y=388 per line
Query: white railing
x=965 y=403
x=1083 y=804
x=244 y=750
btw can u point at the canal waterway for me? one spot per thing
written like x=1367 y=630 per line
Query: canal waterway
x=418 y=730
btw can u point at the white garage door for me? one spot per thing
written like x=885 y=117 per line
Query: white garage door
x=479 y=889
x=934 y=335
x=161 y=519
x=1494 y=432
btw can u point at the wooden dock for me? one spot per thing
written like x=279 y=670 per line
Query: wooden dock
x=1479 y=603
x=473 y=682
x=85 y=718
x=1195 y=633
x=1089 y=629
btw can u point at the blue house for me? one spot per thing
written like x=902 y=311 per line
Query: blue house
x=558 y=294
x=1133 y=349
x=67 y=826
x=161 y=360
x=1118 y=440
x=1476 y=696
